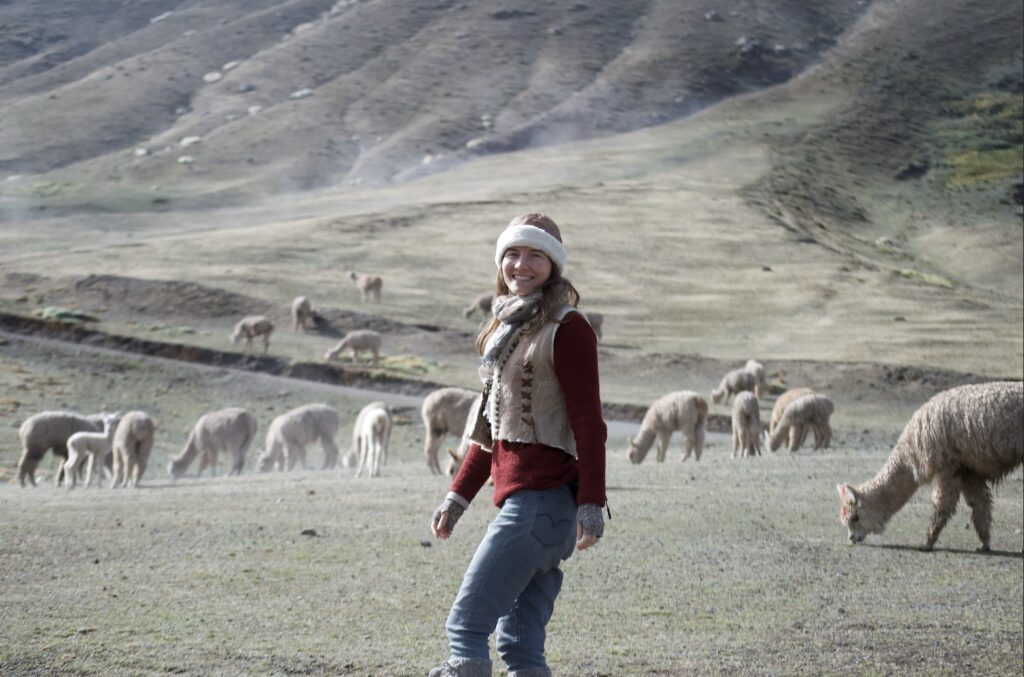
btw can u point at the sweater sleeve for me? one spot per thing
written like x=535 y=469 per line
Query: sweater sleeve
x=475 y=470
x=576 y=367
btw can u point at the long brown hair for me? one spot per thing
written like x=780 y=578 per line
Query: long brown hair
x=556 y=292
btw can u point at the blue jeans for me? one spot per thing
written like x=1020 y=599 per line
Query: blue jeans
x=513 y=580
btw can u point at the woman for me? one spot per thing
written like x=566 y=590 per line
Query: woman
x=541 y=436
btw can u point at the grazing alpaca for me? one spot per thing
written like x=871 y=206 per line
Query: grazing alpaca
x=370 y=437
x=230 y=430
x=369 y=285
x=252 y=327
x=960 y=441
x=685 y=411
x=746 y=426
x=736 y=381
x=782 y=402
x=302 y=313
x=92 y=444
x=360 y=340
x=804 y=414
x=133 y=443
x=481 y=304
x=290 y=432
x=50 y=430
x=444 y=412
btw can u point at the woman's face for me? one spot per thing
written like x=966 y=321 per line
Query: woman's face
x=525 y=269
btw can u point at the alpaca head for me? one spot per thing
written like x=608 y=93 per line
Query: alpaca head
x=718 y=396
x=176 y=468
x=857 y=515
x=454 y=462
x=633 y=453
x=110 y=421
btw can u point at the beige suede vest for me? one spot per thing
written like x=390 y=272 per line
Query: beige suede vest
x=526 y=402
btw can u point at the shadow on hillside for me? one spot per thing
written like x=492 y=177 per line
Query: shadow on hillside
x=958 y=551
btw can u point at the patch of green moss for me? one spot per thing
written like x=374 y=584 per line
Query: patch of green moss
x=981 y=142
x=926 y=278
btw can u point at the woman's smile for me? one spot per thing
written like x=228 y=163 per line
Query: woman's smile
x=525 y=269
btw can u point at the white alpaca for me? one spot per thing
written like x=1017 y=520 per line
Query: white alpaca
x=746 y=426
x=803 y=415
x=961 y=441
x=133 y=444
x=737 y=381
x=302 y=313
x=290 y=432
x=230 y=430
x=50 y=430
x=369 y=285
x=93 y=445
x=444 y=412
x=784 y=401
x=252 y=327
x=685 y=411
x=360 y=340
x=481 y=304
x=596 y=321
x=371 y=435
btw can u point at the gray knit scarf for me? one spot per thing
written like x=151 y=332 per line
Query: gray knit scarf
x=513 y=312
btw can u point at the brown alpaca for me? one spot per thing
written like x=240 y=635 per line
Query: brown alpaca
x=960 y=441
x=683 y=410
x=782 y=402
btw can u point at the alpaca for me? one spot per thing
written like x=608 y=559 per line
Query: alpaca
x=290 y=432
x=757 y=369
x=746 y=426
x=961 y=441
x=50 y=430
x=373 y=428
x=360 y=340
x=736 y=381
x=250 y=327
x=685 y=411
x=457 y=456
x=230 y=430
x=596 y=321
x=803 y=415
x=782 y=402
x=302 y=313
x=444 y=412
x=481 y=304
x=133 y=443
x=369 y=285
x=95 y=445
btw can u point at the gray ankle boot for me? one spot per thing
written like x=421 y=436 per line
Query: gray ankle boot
x=463 y=667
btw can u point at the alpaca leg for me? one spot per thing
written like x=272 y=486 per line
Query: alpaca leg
x=266 y=343
x=330 y=452
x=945 y=494
x=663 y=438
x=735 y=442
x=69 y=470
x=978 y=497
x=430 y=448
x=90 y=466
x=117 y=477
x=826 y=435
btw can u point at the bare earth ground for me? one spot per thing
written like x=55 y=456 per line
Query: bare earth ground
x=709 y=568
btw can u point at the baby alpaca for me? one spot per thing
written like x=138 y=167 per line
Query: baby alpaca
x=685 y=411
x=230 y=430
x=91 y=444
x=961 y=441
x=133 y=443
x=782 y=402
x=370 y=437
x=746 y=426
x=369 y=285
x=251 y=327
x=804 y=414
x=736 y=381
x=290 y=432
x=360 y=340
x=444 y=412
x=302 y=313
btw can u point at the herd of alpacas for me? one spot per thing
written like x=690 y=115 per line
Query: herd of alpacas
x=961 y=441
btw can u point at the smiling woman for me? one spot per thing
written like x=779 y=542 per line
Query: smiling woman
x=539 y=433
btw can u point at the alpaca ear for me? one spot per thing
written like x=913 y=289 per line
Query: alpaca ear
x=847 y=494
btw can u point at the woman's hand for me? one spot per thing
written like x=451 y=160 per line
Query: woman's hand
x=589 y=525
x=445 y=517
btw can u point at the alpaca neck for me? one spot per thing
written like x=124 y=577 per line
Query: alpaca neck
x=644 y=439
x=891 y=488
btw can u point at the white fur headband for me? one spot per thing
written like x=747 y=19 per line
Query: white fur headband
x=533 y=237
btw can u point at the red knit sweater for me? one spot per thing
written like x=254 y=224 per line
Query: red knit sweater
x=517 y=465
